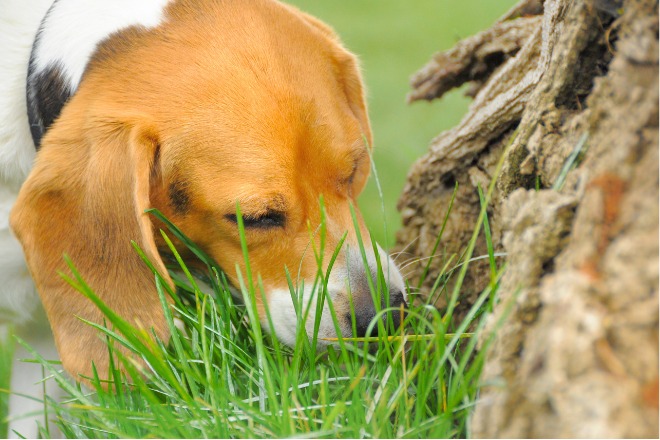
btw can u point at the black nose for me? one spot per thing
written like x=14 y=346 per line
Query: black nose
x=396 y=301
x=365 y=314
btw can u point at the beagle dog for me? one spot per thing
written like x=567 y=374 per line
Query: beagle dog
x=190 y=107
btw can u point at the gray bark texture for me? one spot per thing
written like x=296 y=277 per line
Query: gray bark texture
x=574 y=332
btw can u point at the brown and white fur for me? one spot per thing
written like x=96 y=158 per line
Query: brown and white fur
x=188 y=106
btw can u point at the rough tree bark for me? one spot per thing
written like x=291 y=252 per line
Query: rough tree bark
x=577 y=356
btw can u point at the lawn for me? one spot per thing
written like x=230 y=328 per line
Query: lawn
x=393 y=40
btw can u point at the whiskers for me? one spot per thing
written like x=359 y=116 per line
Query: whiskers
x=407 y=267
x=416 y=260
x=396 y=255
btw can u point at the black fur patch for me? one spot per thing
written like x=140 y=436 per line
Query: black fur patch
x=47 y=92
x=179 y=196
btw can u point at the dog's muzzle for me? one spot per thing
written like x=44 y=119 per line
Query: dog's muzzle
x=354 y=290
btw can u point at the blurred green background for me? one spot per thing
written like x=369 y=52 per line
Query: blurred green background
x=394 y=39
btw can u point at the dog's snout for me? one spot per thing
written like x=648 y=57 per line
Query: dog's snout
x=361 y=326
x=366 y=312
x=397 y=299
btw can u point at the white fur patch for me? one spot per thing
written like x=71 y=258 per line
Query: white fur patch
x=285 y=321
x=73 y=28
x=283 y=312
x=18 y=26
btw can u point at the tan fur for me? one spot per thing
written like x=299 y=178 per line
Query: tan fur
x=252 y=102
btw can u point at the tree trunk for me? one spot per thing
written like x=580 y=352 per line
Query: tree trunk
x=575 y=210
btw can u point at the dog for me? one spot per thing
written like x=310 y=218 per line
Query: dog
x=190 y=107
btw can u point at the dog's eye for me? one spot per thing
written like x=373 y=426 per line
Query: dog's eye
x=273 y=219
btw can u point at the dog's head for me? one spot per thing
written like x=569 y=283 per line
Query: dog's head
x=222 y=103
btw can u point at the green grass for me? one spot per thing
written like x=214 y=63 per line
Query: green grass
x=394 y=39
x=6 y=355
x=223 y=376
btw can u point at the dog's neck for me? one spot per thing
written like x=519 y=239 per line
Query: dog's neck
x=67 y=38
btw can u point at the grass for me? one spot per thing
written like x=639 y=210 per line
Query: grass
x=223 y=376
x=7 y=350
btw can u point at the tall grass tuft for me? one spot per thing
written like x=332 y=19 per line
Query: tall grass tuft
x=7 y=345
x=222 y=375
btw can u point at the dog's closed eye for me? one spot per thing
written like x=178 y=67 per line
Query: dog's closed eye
x=267 y=220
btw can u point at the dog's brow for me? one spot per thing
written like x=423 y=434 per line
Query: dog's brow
x=275 y=203
x=358 y=154
x=179 y=196
x=359 y=150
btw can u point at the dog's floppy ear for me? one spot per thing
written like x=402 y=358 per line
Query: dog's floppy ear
x=86 y=198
